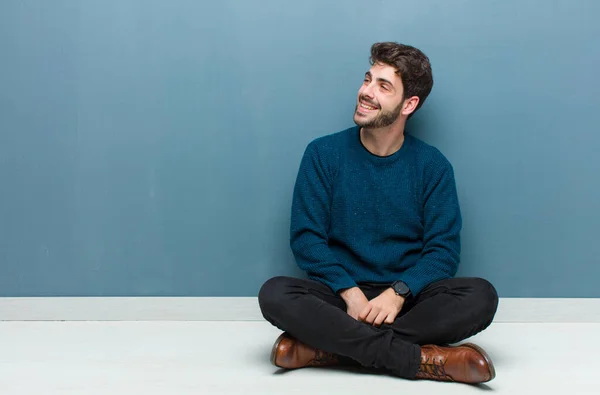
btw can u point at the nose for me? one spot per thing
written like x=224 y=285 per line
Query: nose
x=367 y=90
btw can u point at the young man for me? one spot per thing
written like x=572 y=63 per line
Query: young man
x=376 y=225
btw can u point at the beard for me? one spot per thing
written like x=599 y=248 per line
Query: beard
x=383 y=119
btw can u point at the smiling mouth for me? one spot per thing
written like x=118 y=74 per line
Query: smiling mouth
x=366 y=107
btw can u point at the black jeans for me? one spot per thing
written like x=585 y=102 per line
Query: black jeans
x=445 y=312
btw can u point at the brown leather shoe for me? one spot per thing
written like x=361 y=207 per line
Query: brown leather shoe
x=466 y=363
x=290 y=353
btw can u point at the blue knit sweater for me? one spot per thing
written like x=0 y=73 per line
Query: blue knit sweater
x=358 y=217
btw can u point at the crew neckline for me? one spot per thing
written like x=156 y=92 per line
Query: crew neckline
x=377 y=159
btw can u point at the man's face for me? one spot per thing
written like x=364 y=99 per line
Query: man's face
x=379 y=100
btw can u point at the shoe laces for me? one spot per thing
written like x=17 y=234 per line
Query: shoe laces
x=323 y=358
x=433 y=368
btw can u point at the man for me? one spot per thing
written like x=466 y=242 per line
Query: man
x=376 y=225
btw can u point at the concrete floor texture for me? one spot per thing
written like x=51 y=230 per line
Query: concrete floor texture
x=232 y=357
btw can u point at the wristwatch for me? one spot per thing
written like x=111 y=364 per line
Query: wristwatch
x=401 y=289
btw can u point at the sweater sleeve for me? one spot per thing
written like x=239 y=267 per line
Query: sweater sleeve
x=440 y=255
x=311 y=208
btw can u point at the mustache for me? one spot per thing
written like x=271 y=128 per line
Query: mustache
x=367 y=101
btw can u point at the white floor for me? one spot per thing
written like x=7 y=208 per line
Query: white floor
x=203 y=358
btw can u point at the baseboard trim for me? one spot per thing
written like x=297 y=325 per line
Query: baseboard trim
x=525 y=310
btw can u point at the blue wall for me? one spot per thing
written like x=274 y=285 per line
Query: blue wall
x=151 y=147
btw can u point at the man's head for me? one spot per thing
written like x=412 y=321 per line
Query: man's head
x=395 y=86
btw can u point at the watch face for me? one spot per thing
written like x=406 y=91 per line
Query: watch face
x=401 y=288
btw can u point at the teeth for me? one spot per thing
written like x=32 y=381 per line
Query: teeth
x=367 y=107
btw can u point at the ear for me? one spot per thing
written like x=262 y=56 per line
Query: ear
x=410 y=105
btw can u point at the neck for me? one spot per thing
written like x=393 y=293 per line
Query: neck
x=383 y=141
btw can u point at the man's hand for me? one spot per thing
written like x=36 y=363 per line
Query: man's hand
x=383 y=308
x=356 y=301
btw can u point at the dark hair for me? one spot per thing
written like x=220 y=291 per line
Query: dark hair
x=411 y=65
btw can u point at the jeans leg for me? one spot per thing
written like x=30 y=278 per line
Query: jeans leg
x=448 y=311
x=313 y=314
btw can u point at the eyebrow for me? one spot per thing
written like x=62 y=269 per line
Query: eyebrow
x=368 y=73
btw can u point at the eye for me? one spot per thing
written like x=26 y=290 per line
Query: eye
x=385 y=87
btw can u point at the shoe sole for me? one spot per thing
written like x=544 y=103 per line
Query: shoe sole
x=485 y=356
x=275 y=346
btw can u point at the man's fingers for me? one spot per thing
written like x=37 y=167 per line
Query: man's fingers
x=390 y=318
x=372 y=315
x=380 y=318
x=363 y=314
